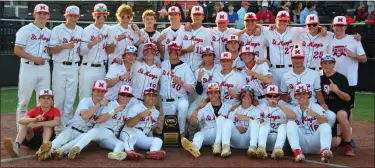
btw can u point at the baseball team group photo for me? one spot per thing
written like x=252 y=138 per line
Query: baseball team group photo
x=187 y=83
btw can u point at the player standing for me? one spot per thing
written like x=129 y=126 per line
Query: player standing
x=232 y=45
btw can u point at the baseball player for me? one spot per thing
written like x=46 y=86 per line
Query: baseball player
x=31 y=46
x=83 y=120
x=176 y=81
x=94 y=48
x=149 y=33
x=249 y=37
x=272 y=132
x=64 y=47
x=232 y=45
x=36 y=129
x=170 y=34
x=140 y=121
x=193 y=41
x=241 y=129
x=311 y=78
x=108 y=125
x=229 y=80
x=212 y=112
x=220 y=34
x=309 y=133
x=336 y=91
x=120 y=74
x=258 y=75
x=123 y=34
x=145 y=74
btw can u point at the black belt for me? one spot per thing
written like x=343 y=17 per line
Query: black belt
x=95 y=65
x=320 y=68
x=169 y=100
x=140 y=99
x=281 y=66
x=261 y=97
x=69 y=63
x=28 y=62
x=76 y=129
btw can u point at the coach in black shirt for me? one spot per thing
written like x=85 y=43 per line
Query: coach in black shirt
x=335 y=88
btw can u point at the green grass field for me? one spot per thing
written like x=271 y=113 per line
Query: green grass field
x=364 y=103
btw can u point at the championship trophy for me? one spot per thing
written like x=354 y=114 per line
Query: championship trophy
x=171 y=131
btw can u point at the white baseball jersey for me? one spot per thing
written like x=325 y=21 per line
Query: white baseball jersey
x=258 y=42
x=314 y=47
x=34 y=40
x=114 y=71
x=171 y=36
x=170 y=90
x=233 y=80
x=344 y=64
x=78 y=122
x=281 y=45
x=309 y=77
x=238 y=63
x=61 y=35
x=149 y=39
x=274 y=116
x=207 y=114
x=251 y=112
x=218 y=40
x=201 y=37
x=144 y=76
x=97 y=53
x=145 y=123
x=256 y=84
x=305 y=122
x=207 y=76
x=131 y=39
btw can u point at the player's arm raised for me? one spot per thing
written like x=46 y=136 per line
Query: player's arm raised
x=107 y=114
x=26 y=120
x=264 y=78
x=193 y=120
x=131 y=122
x=86 y=114
x=321 y=118
x=288 y=112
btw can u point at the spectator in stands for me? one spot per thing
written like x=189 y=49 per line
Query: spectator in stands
x=265 y=15
x=361 y=13
x=233 y=16
x=174 y=3
x=297 y=9
x=241 y=14
x=372 y=19
x=283 y=5
x=212 y=16
x=226 y=6
x=310 y=9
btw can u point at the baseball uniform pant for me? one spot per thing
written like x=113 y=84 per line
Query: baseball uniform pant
x=66 y=139
x=331 y=117
x=277 y=74
x=106 y=138
x=269 y=139
x=31 y=77
x=204 y=137
x=237 y=140
x=309 y=143
x=192 y=129
x=64 y=85
x=87 y=76
x=134 y=137
x=179 y=106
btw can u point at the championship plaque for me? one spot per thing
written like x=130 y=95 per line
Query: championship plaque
x=171 y=131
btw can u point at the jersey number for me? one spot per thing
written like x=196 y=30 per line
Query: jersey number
x=227 y=96
x=275 y=125
x=318 y=54
x=176 y=86
x=288 y=49
x=198 y=50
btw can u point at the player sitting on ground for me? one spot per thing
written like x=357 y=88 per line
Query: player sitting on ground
x=213 y=112
x=108 y=125
x=309 y=133
x=336 y=91
x=37 y=127
x=272 y=132
x=241 y=129
x=140 y=121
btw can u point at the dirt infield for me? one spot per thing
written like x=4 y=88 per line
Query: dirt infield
x=93 y=156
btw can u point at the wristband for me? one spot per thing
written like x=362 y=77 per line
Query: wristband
x=111 y=113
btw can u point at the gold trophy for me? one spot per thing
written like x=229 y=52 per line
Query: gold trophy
x=171 y=131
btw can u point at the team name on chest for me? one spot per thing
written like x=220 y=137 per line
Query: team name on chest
x=273 y=117
x=73 y=39
x=339 y=51
x=291 y=86
x=224 y=84
x=147 y=73
x=205 y=80
x=193 y=38
x=169 y=40
x=145 y=119
x=168 y=73
x=41 y=37
x=250 y=43
x=312 y=44
x=127 y=36
x=118 y=117
x=281 y=43
x=218 y=39
x=103 y=36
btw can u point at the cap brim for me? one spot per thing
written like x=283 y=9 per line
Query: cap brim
x=197 y=13
x=298 y=57
x=222 y=21
x=126 y=93
x=250 y=19
x=72 y=14
x=283 y=18
x=173 y=12
x=342 y=24
x=206 y=53
x=101 y=13
x=312 y=23
x=273 y=93
x=211 y=91
x=146 y=93
x=100 y=89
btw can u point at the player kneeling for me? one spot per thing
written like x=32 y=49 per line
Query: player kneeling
x=141 y=120
x=310 y=132
x=213 y=111
x=272 y=132
x=36 y=127
x=108 y=125
x=242 y=128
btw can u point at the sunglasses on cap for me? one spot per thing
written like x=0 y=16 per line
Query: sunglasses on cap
x=312 y=25
x=246 y=88
x=125 y=95
x=272 y=95
x=150 y=91
x=213 y=87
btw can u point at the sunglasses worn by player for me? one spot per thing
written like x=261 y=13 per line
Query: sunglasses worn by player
x=272 y=96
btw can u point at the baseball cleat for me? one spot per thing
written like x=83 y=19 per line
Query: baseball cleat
x=349 y=150
x=133 y=155
x=156 y=155
x=116 y=155
x=277 y=153
x=11 y=147
x=44 y=151
x=298 y=155
x=57 y=154
x=326 y=155
x=216 y=149
x=261 y=153
x=252 y=151
x=187 y=145
x=226 y=151
x=73 y=152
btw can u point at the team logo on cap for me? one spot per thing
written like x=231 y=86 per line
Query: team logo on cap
x=126 y=89
x=250 y=16
x=213 y=87
x=272 y=89
x=45 y=92
x=226 y=56
x=100 y=85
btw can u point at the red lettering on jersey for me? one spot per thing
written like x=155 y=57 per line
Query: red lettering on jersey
x=92 y=38
x=291 y=87
x=224 y=84
x=140 y=71
x=33 y=37
x=274 y=117
x=65 y=40
x=186 y=37
x=308 y=119
x=213 y=38
x=205 y=80
x=312 y=44
x=281 y=43
x=339 y=51
x=197 y=40
x=208 y=118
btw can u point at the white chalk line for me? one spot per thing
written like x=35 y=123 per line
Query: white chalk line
x=17 y=158
x=317 y=162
